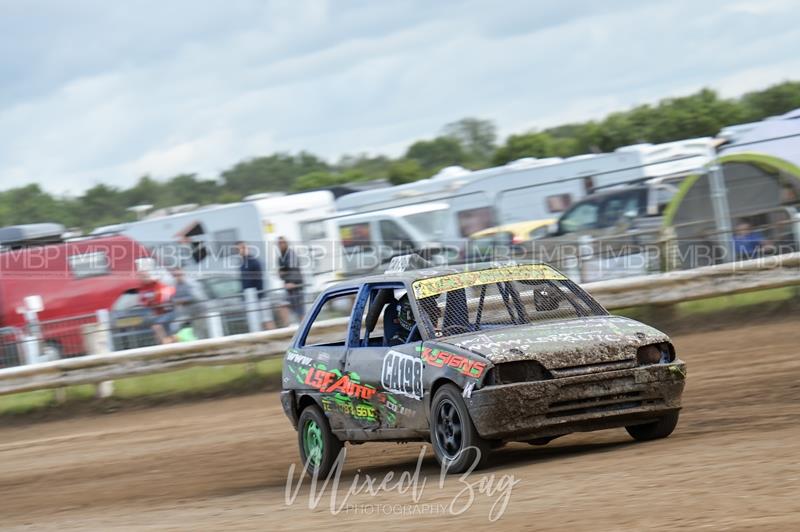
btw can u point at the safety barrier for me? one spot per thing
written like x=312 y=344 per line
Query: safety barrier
x=663 y=289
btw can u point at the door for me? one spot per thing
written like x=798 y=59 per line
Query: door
x=315 y=364
x=385 y=355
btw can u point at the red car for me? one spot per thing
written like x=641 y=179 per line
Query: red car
x=74 y=280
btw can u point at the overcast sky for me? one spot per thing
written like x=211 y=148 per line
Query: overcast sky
x=104 y=91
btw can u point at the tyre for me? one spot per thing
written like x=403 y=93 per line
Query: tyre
x=655 y=430
x=319 y=448
x=456 y=443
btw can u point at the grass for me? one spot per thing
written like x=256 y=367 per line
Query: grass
x=207 y=380
x=185 y=382
x=716 y=305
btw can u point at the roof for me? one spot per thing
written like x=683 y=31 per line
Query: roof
x=30 y=233
x=778 y=136
x=410 y=276
x=399 y=212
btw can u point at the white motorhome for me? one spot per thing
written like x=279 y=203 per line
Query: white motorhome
x=201 y=241
x=203 y=238
x=301 y=219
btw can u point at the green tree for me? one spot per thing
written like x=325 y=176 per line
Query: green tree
x=102 y=205
x=276 y=172
x=525 y=145
x=327 y=179
x=477 y=137
x=405 y=171
x=30 y=204
x=437 y=153
x=146 y=191
x=376 y=167
x=775 y=100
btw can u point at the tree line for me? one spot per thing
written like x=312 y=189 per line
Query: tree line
x=470 y=142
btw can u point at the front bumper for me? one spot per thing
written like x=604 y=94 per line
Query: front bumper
x=529 y=410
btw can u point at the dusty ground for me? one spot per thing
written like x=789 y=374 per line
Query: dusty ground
x=733 y=462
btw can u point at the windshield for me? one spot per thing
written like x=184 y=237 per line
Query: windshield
x=429 y=223
x=499 y=297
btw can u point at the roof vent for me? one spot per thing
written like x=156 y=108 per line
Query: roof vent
x=451 y=171
x=403 y=263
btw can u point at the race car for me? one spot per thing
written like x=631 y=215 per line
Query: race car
x=469 y=358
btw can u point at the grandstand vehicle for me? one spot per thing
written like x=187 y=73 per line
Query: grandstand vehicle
x=468 y=358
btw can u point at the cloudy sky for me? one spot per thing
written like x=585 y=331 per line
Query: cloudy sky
x=102 y=91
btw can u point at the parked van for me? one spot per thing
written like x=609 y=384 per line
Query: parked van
x=371 y=239
x=70 y=281
x=526 y=189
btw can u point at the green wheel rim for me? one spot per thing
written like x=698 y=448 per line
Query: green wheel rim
x=312 y=442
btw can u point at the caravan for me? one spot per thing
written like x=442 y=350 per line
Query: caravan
x=202 y=239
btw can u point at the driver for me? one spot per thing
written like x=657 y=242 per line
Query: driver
x=404 y=321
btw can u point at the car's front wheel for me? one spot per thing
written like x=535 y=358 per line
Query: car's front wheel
x=319 y=448
x=456 y=443
x=655 y=430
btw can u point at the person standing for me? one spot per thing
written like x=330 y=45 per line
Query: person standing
x=292 y=277
x=252 y=276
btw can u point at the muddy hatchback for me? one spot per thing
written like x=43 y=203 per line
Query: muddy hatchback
x=469 y=358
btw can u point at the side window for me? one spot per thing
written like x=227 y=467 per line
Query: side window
x=663 y=195
x=394 y=236
x=312 y=230
x=335 y=306
x=559 y=202
x=388 y=319
x=471 y=221
x=355 y=236
x=89 y=264
x=616 y=208
x=582 y=216
x=224 y=244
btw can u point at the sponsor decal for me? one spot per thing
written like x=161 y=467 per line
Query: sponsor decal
x=402 y=374
x=393 y=406
x=297 y=358
x=329 y=382
x=434 y=286
x=441 y=359
x=360 y=411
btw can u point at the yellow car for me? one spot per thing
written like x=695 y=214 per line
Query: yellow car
x=515 y=233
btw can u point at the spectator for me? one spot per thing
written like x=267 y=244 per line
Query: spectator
x=183 y=302
x=292 y=277
x=155 y=297
x=746 y=242
x=252 y=276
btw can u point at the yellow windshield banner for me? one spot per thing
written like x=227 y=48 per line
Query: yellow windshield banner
x=523 y=272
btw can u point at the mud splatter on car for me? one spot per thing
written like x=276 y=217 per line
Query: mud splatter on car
x=469 y=357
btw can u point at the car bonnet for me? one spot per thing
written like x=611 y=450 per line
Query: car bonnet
x=562 y=343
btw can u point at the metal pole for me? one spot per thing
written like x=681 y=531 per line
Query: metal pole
x=106 y=338
x=722 y=215
x=214 y=325
x=253 y=309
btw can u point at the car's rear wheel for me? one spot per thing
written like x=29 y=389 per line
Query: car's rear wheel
x=456 y=443
x=661 y=428
x=319 y=448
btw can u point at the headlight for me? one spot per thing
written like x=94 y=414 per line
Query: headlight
x=517 y=371
x=662 y=353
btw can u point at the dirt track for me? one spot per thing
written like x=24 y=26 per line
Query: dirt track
x=733 y=462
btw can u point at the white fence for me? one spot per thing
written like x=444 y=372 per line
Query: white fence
x=662 y=289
